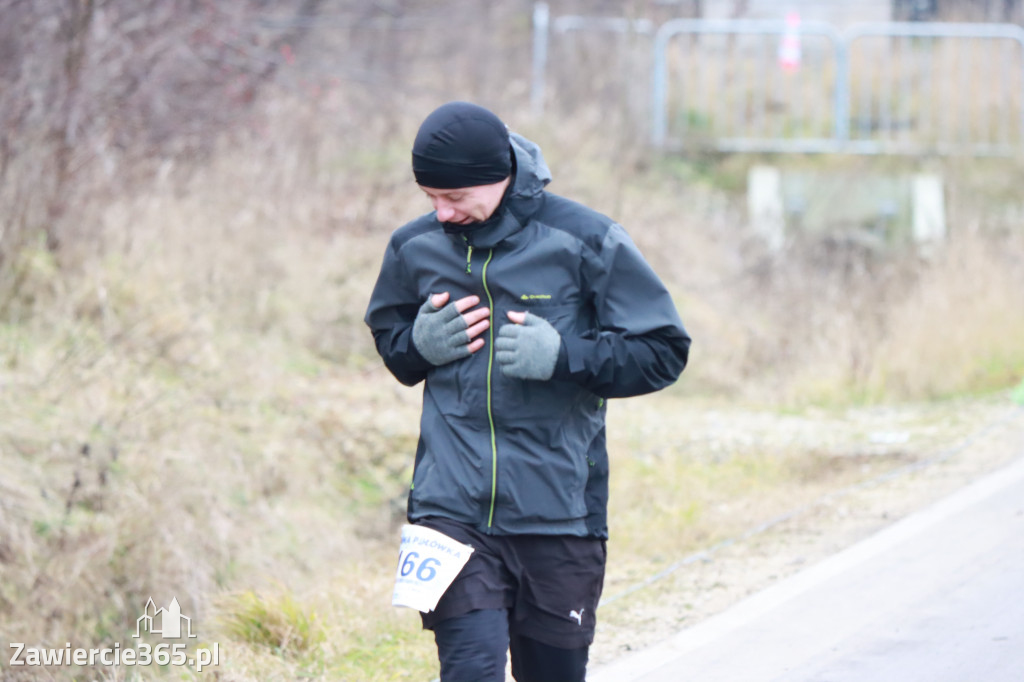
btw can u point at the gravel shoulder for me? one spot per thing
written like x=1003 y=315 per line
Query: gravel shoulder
x=941 y=448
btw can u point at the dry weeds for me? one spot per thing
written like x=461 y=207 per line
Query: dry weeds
x=193 y=408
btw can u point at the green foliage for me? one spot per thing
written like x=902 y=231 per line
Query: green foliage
x=402 y=647
x=278 y=623
x=1018 y=393
x=29 y=276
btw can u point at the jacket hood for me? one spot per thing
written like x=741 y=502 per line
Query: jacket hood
x=532 y=172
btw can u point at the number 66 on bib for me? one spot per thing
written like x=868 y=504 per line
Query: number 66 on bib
x=428 y=562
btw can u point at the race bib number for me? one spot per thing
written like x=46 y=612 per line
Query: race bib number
x=428 y=562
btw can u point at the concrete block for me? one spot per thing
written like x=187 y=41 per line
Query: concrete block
x=765 y=209
x=929 y=222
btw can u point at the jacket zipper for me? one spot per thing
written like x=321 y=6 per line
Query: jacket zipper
x=490 y=409
x=469 y=255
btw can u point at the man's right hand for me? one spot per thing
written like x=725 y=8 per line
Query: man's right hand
x=444 y=333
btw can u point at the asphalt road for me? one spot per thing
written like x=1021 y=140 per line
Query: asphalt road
x=936 y=597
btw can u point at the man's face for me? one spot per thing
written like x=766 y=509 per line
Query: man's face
x=466 y=205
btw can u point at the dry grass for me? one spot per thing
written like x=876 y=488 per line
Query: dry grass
x=192 y=406
x=958 y=328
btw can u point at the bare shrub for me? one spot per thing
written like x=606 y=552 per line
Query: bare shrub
x=117 y=87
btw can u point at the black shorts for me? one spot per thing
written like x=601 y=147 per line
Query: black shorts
x=550 y=584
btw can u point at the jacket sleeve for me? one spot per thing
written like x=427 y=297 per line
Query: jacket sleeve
x=390 y=316
x=639 y=344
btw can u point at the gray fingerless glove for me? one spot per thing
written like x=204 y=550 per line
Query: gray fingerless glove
x=439 y=334
x=528 y=350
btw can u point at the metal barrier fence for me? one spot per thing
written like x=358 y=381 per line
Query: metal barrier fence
x=782 y=86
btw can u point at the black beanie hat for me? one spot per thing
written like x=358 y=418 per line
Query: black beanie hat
x=461 y=145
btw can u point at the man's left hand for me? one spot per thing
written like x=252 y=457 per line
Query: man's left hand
x=528 y=348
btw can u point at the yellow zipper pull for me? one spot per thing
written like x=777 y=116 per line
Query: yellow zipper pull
x=469 y=256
